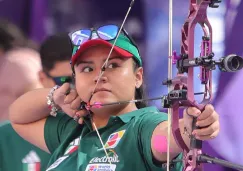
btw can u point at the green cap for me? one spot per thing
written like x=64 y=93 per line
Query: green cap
x=123 y=47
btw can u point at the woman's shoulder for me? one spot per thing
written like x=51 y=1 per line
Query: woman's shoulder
x=151 y=109
x=6 y=128
x=150 y=112
x=60 y=129
x=144 y=114
x=61 y=121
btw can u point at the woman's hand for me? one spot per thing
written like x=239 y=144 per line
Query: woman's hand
x=69 y=101
x=207 y=120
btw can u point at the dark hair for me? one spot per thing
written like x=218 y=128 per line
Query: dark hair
x=55 y=48
x=139 y=92
x=11 y=36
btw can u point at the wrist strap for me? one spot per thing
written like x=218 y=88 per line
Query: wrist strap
x=51 y=105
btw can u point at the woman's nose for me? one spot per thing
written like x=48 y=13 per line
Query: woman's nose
x=100 y=78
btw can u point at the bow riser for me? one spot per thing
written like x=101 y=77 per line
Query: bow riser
x=197 y=15
x=184 y=83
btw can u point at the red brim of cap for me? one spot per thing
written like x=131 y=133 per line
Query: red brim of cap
x=95 y=42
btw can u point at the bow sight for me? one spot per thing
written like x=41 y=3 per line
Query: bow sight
x=230 y=63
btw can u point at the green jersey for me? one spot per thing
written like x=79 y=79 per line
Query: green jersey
x=127 y=142
x=16 y=154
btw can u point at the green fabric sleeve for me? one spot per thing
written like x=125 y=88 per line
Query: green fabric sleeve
x=1 y=165
x=147 y=123
x=14 y=148
x=57 y=129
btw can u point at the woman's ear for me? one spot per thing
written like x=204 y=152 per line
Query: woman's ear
x=43 y=77
x=139 y=77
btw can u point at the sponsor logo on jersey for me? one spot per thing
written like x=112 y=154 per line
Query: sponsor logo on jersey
x=113 y=139
x=111 y=158
x=101 y=167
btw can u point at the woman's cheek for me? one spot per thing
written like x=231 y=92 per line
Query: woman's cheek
x=82 y=91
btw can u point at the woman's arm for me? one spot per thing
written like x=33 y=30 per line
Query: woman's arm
x=30 y=107
x=159 y=142
x=208 y=119
x=28 y=114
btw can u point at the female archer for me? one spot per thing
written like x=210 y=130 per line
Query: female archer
x=98 y=136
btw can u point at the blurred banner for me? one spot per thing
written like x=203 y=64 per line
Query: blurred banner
x=229 y=97
x=71 y=15
x=45 y=17
x=29 y=15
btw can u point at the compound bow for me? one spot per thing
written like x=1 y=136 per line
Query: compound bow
x=181 y=87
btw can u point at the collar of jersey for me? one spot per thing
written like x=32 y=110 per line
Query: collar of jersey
x=125 y=118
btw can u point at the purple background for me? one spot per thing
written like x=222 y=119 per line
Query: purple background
x=148 y=24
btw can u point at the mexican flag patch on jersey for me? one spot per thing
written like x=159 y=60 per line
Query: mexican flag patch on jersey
x=31 y=162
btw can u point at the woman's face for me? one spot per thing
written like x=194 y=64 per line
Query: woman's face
x=118 y=82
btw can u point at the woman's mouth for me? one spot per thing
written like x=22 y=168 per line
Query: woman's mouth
x=101 y=90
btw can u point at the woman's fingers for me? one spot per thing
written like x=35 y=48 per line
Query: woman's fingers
x=71 y=96
x=75 y=104
x=207 y=132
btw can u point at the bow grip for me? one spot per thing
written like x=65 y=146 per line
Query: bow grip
x=194 y=143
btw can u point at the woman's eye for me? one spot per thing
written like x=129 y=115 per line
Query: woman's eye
x=87 y=69
x=112 y=65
